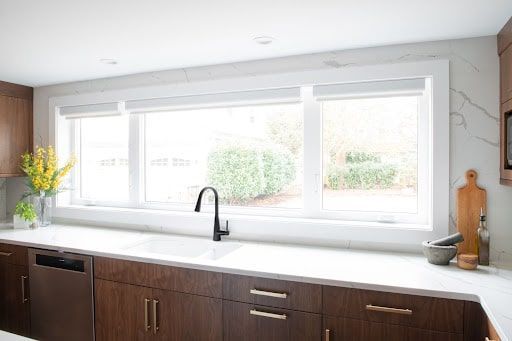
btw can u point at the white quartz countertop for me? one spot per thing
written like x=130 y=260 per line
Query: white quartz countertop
x=384 y=271
x=5 y=336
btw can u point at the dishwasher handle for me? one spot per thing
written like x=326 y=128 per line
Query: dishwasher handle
x=59 y=262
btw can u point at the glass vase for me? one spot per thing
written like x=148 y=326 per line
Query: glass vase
x=43 y=207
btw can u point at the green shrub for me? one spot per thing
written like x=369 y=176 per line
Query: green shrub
x=278 y=170
x=359 y=157
x=369 y=175
x=334 y=177
x=236 y=172
x=241 y=173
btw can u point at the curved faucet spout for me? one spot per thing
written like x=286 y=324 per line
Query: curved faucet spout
x=217 y=232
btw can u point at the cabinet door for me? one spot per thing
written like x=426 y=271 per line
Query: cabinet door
x=345 y=329
x=14 y=299
x=506 y=75
x=15 y=133
x=253 y=323
x=181 y=317
x=120 y=311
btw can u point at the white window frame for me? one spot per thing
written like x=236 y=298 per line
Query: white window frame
x=310 y=224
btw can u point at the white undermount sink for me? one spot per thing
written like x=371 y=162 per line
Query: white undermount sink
x=185 y=247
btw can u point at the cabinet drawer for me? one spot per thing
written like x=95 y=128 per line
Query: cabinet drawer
x=407 y=310
x=14 y=254
x=185 y=280
x=273 y=293
x=253 y=323
x=345 y=329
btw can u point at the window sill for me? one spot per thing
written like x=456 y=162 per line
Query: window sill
x=318 y=232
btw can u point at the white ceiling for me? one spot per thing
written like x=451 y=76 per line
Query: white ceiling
x=53 y=41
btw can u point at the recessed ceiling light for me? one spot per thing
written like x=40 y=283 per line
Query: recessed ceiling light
x=263 y=40
x=108 y=61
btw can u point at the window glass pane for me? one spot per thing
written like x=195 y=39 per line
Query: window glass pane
x=251 y=154
x=370 y=154
x=104 y=158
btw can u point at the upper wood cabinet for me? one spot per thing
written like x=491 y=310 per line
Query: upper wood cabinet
x=505 y=54
x=15 y=127
x=506 y=75
x=505 y=37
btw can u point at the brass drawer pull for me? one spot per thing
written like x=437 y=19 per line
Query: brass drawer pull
x=487 y=339
x=388 y=310
x=147 y=326
x=265 y=314
x=5 y=254
x=327 y=335
x=268 y=293
x=155 y=316
x=24 y=298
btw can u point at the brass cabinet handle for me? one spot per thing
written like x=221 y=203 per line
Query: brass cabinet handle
x=268 y=293
x=5 y=254
x=155 y=316
x=24 y=298
x=487 y=339
x=327 y=335
x=265 y=314
x=147 y=326
x=388 y=310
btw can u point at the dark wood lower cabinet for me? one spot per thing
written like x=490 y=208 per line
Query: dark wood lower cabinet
x=184 y=317
x=138 y=301
x=269 y=324
x=427 y=313
x=132 y=312
x=119 y=311
x=346 y=329
x=477 y=325
x=14 y=299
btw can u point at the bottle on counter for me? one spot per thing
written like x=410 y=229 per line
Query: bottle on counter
x=483 y=240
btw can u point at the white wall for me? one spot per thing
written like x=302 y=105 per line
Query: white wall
x=473 y=104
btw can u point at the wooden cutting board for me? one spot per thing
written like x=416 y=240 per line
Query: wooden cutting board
x=470 y=198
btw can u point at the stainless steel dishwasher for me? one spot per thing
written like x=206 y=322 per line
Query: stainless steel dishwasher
x=61 y=296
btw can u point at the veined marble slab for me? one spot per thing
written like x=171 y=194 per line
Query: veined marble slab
x=384 y=271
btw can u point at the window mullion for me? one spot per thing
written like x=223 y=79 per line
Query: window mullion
x=135 y=158
x=312 y=191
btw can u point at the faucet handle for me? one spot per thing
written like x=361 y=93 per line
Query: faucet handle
x=224 y=231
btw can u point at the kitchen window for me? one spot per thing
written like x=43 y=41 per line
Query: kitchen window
x=336 y=151
x=103 y=161
x=251 y=154
x=254 y=153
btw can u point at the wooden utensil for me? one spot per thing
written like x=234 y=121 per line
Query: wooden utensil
x=470 y=199
x=467 y=261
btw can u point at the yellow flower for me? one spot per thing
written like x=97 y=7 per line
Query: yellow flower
x=43 y=171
